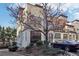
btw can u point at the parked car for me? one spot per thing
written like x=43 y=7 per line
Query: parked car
x=13 y=47
x=67 y=45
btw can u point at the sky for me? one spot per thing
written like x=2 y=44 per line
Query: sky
x=5 y=18
x=71 y=10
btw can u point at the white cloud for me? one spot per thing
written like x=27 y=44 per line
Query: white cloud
x=73 y=10
x=76 y=15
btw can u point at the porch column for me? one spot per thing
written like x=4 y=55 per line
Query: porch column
x=42 y=37
x=62 y=36
x=26 y=40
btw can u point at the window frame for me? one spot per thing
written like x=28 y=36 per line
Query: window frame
x=56 y=36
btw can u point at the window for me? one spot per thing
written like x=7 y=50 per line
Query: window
x=65 y=36
x=76 y=36
x=57 y=36
x=73 y=36
x=70 y=36
x=77 y=29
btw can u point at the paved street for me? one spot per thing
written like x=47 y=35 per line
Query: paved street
x=5 y=52
x=77 y=53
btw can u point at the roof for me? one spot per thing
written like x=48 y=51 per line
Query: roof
x=63 y=15
x=70 y=25
x=76 y=20
x=37 y=5
x=21 y=8
x=72 y=32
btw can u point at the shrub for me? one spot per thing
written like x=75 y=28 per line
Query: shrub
x=28 y=47
x=13 y=47
x=39 y=43
x=31 y=44
x=14 y=43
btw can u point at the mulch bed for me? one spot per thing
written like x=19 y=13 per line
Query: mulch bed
x=38 y=51
x=35 y=51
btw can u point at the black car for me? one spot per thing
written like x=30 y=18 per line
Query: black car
x=67 y=45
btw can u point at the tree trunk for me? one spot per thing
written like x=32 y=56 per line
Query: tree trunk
x=9 y=41
x=46 y=36
x=46 y=42
x=3 y=42
x=46 y=24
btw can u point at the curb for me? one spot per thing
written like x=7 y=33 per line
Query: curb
x=70 y=54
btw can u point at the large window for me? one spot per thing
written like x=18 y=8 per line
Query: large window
x=65 y=36
x=57 y=36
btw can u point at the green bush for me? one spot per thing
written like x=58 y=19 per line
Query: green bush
x=28 y=47
x=14 y=43
x=13 y=47
x=31 y=44
x=39 y=43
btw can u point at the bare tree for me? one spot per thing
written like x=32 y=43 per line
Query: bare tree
x=34 y=22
